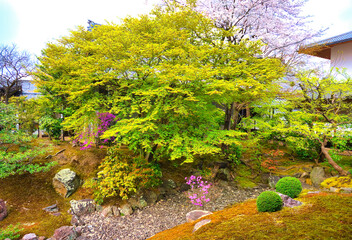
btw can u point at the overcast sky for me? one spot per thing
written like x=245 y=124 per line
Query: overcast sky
x=32 y=23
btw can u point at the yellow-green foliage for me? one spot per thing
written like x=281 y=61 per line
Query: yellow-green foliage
x=337 y=182
x=122 y=175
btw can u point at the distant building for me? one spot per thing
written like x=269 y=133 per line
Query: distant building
x=91 y=25
x=337 y=49
x=28 y=89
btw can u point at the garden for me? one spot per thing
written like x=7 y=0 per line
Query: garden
x=168 y=110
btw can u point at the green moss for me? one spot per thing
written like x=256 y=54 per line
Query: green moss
x=245 y=182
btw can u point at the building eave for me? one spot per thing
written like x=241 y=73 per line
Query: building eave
x=322 y=48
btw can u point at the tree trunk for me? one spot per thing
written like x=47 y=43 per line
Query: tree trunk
x=6 y=96
x=228 y=117
x=227 y=123
x=248 y=115
x=331 y=161
x=235 y=118
x=150 y=156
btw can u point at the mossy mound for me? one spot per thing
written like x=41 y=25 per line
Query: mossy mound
x=337 y=182
x=289 y=186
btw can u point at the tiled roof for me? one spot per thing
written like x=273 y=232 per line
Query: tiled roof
x=333 y=40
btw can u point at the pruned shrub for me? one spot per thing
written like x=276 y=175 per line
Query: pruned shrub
x=269 y=201
x=123 y=175
x=289 y=186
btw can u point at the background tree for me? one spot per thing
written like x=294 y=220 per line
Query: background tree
x=318 y=114
x=17 y=154
x=14 y=66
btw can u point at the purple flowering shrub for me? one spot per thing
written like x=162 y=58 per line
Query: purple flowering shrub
x=90 y=136
x=199 y=190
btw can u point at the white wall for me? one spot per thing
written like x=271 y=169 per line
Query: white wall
x=341 y=56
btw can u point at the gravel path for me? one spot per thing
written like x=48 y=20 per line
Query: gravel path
x=161 y=216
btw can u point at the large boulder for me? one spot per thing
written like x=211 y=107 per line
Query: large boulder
x=66 y=182
x=317 y=176
x=3 y=210
x=65 y=233
x=196 y=214
x=82 y=207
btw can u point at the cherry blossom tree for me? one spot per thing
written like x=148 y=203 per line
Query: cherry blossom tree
x=278 y=23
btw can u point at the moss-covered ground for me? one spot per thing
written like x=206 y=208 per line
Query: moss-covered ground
x=328 y=216
x=322 y=216
x=26 y=195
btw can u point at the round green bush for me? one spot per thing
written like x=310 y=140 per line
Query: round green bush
x=289 y=186
x=269 y=201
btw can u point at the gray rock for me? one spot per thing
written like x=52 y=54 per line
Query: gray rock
x=51 y=209
x=297 y=175
x=137 y=202
x=289 y=202
x=76 y=221
x=307 y=169
x=126 y=209
x=224 y=174
x=98 y=208
x=115 y=211
x=184 y=187
x=346 y=190
x=333 y=189
x=171 y=184
x=65 y=233
x=66 y=182
x=314 y=192
x=305 y=175
x=3 y=210
x=201 y=224
x=107 y=212
x=82 y=207
x=273 y=180
x=317 y=176
x=30 y=236
x=196 y=214
x=264 y=178
x=151 y=197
